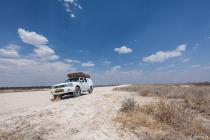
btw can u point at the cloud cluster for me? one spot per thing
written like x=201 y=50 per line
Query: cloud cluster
x=106 y=62
x=88 y=64
x=71 y=61
x=39 y=41
x=73 y=4
x=32 y=69
x=195 y=66
x=11 y=51
x=123 y=49
x=161 y=56
x=185 y=60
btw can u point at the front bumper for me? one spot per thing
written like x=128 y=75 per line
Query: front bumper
x=64 y=90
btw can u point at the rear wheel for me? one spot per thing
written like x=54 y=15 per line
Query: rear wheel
x=91 y=90
x=77 y=92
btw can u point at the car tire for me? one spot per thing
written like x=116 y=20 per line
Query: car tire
x=91 y=90
x=77 y=92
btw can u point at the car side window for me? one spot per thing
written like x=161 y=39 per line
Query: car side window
x=85 y=81
x=81 y=79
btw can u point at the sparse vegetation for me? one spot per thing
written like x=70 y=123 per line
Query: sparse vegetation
x=176 y=112
x=107 y=95
x=144 y=93
x=128 y=104
x=195 y=97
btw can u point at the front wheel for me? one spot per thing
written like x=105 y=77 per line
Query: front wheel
x=91 y=90
x=77 y=92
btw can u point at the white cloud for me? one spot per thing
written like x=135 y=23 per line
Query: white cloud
x=71 y=61
x=67 y=7
x=43 y=51
x=72 y=4
x=128 y=63
x=142 y=64
x=161 y=68
x=194 y=66
x=53 y=57
x=79 y=7
x=71 y=1
x=171 y=71
x=207 y=37
x=115 y=68
x=123 y=49
x=32 y=37
x=196 y=46
x=32 y=72
x=88 y=64
x=207 y=67
x=185 y=60
x=181 y=47
x=11 y=50
x=171 y=66
x=39 y=41
x=72 y=16
x=106 y=62
x=81 y=51
x=161 y=56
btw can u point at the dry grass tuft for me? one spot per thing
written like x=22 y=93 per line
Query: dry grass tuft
x=9 y=136
x=128 y=104
x=166 y=115
x=144 y=93
x=132 y=116
x=200 y=102
x=57 y=98
x=107 y=95
x=195 y=97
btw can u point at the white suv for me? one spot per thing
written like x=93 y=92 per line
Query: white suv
x=72 y=86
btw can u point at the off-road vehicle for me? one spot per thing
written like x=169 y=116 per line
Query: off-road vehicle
x=73 y=86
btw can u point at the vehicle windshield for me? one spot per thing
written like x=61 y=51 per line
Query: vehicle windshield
x=72 y=80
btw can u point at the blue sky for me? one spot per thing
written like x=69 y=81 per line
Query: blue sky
x=116 y=42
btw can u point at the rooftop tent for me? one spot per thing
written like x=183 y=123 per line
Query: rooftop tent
x=78 y=74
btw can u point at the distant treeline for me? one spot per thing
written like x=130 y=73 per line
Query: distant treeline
x=25 y=88
x=200 y=84
x=43 y=87
x=49 y=87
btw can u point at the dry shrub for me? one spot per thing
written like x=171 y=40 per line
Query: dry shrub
x=196 y=97
x=9 y=136
x=169 y=116
x=131 y=117
x=135 y=119
x=128 y=104
x=144 y=93
x=200 y=102
x=147 y=109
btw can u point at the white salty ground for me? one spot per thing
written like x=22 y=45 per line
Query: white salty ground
x=33 y=115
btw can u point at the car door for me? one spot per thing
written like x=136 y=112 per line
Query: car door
x=86 y=84
x=82 y=84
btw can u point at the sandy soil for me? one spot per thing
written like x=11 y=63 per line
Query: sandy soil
x=33 y=115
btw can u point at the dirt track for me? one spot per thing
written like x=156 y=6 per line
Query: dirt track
x=33 y=115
